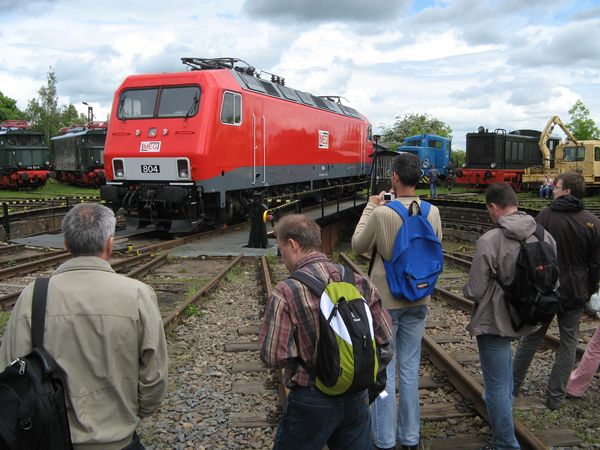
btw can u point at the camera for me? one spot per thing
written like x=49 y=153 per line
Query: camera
x=388 y=197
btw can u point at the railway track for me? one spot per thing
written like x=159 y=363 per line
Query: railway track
x=220 y=394
x=229 y=399
x=43 y=262
x=446 y=340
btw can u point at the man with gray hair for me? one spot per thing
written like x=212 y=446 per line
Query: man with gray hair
x=104 y=330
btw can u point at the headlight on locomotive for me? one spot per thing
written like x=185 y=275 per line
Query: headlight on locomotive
x=493 y=165
x=183 y=169
x=118 y=168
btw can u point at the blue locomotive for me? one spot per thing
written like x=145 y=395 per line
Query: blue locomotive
x=431 y=150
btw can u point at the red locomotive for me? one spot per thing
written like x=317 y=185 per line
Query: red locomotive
x=24 y=156
x=78 y=154
x=191 y=148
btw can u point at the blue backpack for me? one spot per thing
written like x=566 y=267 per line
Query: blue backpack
x=417 y=259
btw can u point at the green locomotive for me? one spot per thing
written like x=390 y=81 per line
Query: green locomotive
x=24 y=156
x=78 y=154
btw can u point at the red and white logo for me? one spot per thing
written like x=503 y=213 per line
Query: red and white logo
x=323 y=139
x=150 y=146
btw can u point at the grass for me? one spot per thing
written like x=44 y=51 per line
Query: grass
x=191 y=291
x=192 y=311
x=271 y=258
x=52 y=189
x=572 y=415
x=235 y=275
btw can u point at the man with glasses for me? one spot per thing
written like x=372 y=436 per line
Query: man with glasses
x=577 y=235
x=289 y=338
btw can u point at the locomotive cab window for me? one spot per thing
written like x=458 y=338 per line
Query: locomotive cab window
x=574 y=154
x=181 y=101
x=176 y=101
x=231 y=108
x=137 y=104
x=596 y=153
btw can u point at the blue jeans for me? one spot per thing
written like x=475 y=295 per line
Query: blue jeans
x=402 y=426
x=495 y=354
x=433 y=190
x=312 y=419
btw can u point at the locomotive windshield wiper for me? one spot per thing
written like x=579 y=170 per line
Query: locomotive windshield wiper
x=194 y=104
x=120 y=108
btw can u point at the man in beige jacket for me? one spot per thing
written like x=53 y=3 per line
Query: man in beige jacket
x=378 y=228
x=104 y=330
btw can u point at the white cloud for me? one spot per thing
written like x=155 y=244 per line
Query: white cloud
x=501 y=64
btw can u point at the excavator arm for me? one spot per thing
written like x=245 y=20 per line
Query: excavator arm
x=554 y=120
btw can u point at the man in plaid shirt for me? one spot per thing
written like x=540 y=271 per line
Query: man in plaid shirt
x=289 y=335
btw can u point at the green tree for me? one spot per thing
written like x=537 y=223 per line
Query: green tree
x=410 y=124
x=70 y=116
x=582 y=125
x=9 y=109
x=459 y=157
x=43 y=112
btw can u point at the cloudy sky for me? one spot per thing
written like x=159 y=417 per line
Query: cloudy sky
x=503 y=64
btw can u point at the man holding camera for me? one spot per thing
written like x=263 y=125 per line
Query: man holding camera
x=378 y=228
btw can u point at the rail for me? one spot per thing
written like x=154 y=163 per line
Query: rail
x=465 y=383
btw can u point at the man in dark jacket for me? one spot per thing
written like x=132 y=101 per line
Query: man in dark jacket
x=577 y=235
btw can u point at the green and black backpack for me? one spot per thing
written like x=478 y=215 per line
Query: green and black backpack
x=347 y=357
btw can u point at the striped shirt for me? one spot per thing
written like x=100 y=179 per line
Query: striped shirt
x=290 y=328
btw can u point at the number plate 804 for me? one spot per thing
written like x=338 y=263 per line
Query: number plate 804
x=150 y=168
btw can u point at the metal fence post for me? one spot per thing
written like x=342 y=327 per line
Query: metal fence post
x=6 y=222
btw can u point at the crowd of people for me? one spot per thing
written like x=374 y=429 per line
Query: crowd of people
x=394 y=420
x=111 y=345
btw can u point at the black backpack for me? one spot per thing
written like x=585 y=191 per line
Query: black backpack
x=33 y=414
x=532 y=293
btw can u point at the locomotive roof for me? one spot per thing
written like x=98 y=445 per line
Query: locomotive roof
x=7 y=130
x=249 y=80
x=427 y=135
x=78 y=131
x=274 y=89
x=524 y=134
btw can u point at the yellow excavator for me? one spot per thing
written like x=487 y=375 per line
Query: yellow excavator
x=571 y=154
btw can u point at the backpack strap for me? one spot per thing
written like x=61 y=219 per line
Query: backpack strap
x=315 y=285
x=348 y=275
x=539 y=232
x=372 y=260
x=421 y=209
x=425 y=208
x=38 y=311
x=399 y=208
